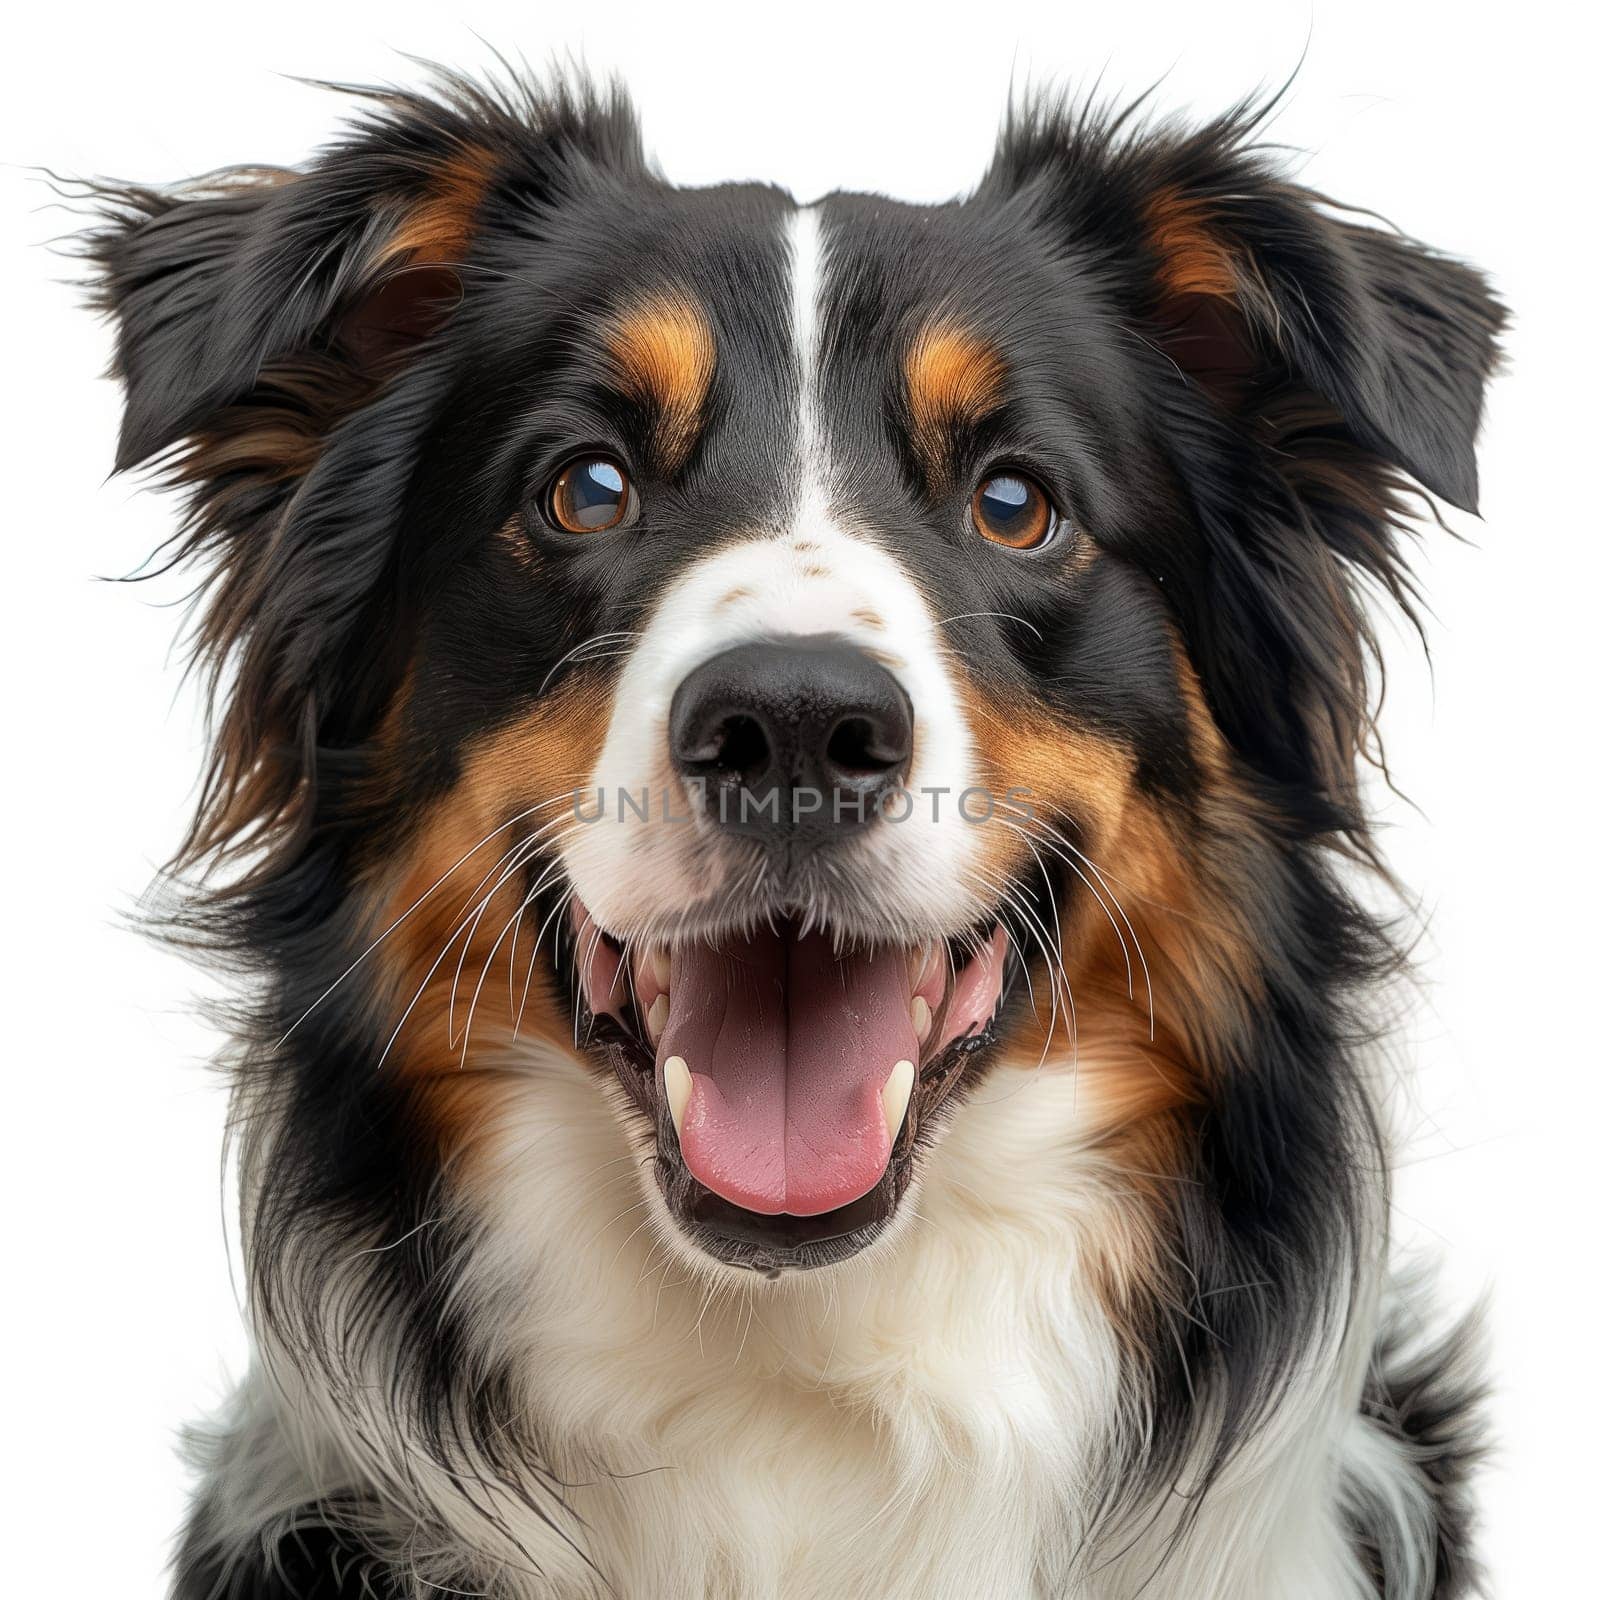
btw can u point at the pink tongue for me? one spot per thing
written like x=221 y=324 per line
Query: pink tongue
x=788 y=1049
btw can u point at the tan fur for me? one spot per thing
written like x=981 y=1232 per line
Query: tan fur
x=1193 y=260
x=1158 y=961
x=666 y=355
x=459 y=887
x=439 y=229
x=953 y=378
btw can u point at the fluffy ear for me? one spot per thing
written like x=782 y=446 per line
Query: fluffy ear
x=211 y=283
x=274 y=337
x=1260 y=280
x=215 y=285
x=1305 y=363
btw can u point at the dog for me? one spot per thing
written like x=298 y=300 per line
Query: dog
x=786 y=798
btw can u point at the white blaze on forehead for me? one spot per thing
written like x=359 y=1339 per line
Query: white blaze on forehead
x=809 y=575
x=806 y=266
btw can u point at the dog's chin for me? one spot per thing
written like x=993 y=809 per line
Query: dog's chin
x=791 y=1081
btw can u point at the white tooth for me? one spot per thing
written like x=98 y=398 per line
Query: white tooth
x=660 y=1008
x=896 y=1096
x=661 y=968
x=675 y=1075
x=921 y=1018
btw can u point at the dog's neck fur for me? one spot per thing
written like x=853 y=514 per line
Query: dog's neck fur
x=936 y=1419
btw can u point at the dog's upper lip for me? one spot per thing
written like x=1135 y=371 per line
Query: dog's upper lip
x=790 y=1071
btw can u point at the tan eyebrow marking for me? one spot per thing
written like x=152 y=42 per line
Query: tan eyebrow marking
x=1192 y=259
x=733 y=597
x=665 y=356
x=868 y=619
x=952 y=376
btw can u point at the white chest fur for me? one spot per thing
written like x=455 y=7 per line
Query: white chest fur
x=916 y=1423
x=928 y=1422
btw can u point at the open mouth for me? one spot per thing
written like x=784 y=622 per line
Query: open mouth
x=788 y=1079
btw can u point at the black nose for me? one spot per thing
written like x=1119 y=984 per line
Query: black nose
x=797 y=741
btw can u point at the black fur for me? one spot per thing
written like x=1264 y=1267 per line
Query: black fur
x=312 y=1559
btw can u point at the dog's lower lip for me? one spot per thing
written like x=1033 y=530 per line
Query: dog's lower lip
x=788 y=1079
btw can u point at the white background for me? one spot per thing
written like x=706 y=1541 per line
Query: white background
x=1467 y=129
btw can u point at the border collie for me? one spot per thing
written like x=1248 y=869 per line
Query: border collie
x=786 y=789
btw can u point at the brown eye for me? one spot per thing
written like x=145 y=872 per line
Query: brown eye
x=591 y=495
x=1012 y=510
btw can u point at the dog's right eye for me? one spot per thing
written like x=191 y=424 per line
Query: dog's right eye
x=1012 y=510
x=590 y=495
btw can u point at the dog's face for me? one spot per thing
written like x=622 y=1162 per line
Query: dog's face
x=787 y=636
x=783 y=654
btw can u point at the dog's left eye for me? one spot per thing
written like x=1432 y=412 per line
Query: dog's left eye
x=1012 y=510
x=591 y=495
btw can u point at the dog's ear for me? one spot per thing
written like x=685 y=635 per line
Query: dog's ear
x=280 y=340
x=1248 y=279
x=1339 y=351
x=1257 y=280
x=351 y=261
x=1295 y=364
x=216 y=285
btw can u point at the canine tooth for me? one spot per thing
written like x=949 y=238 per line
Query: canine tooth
x=896 y=1096
x=921 y=1018
x=656 y=1021
x=675 y=1075
x=661 y=968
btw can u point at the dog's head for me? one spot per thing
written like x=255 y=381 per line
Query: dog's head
x=780 y=654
